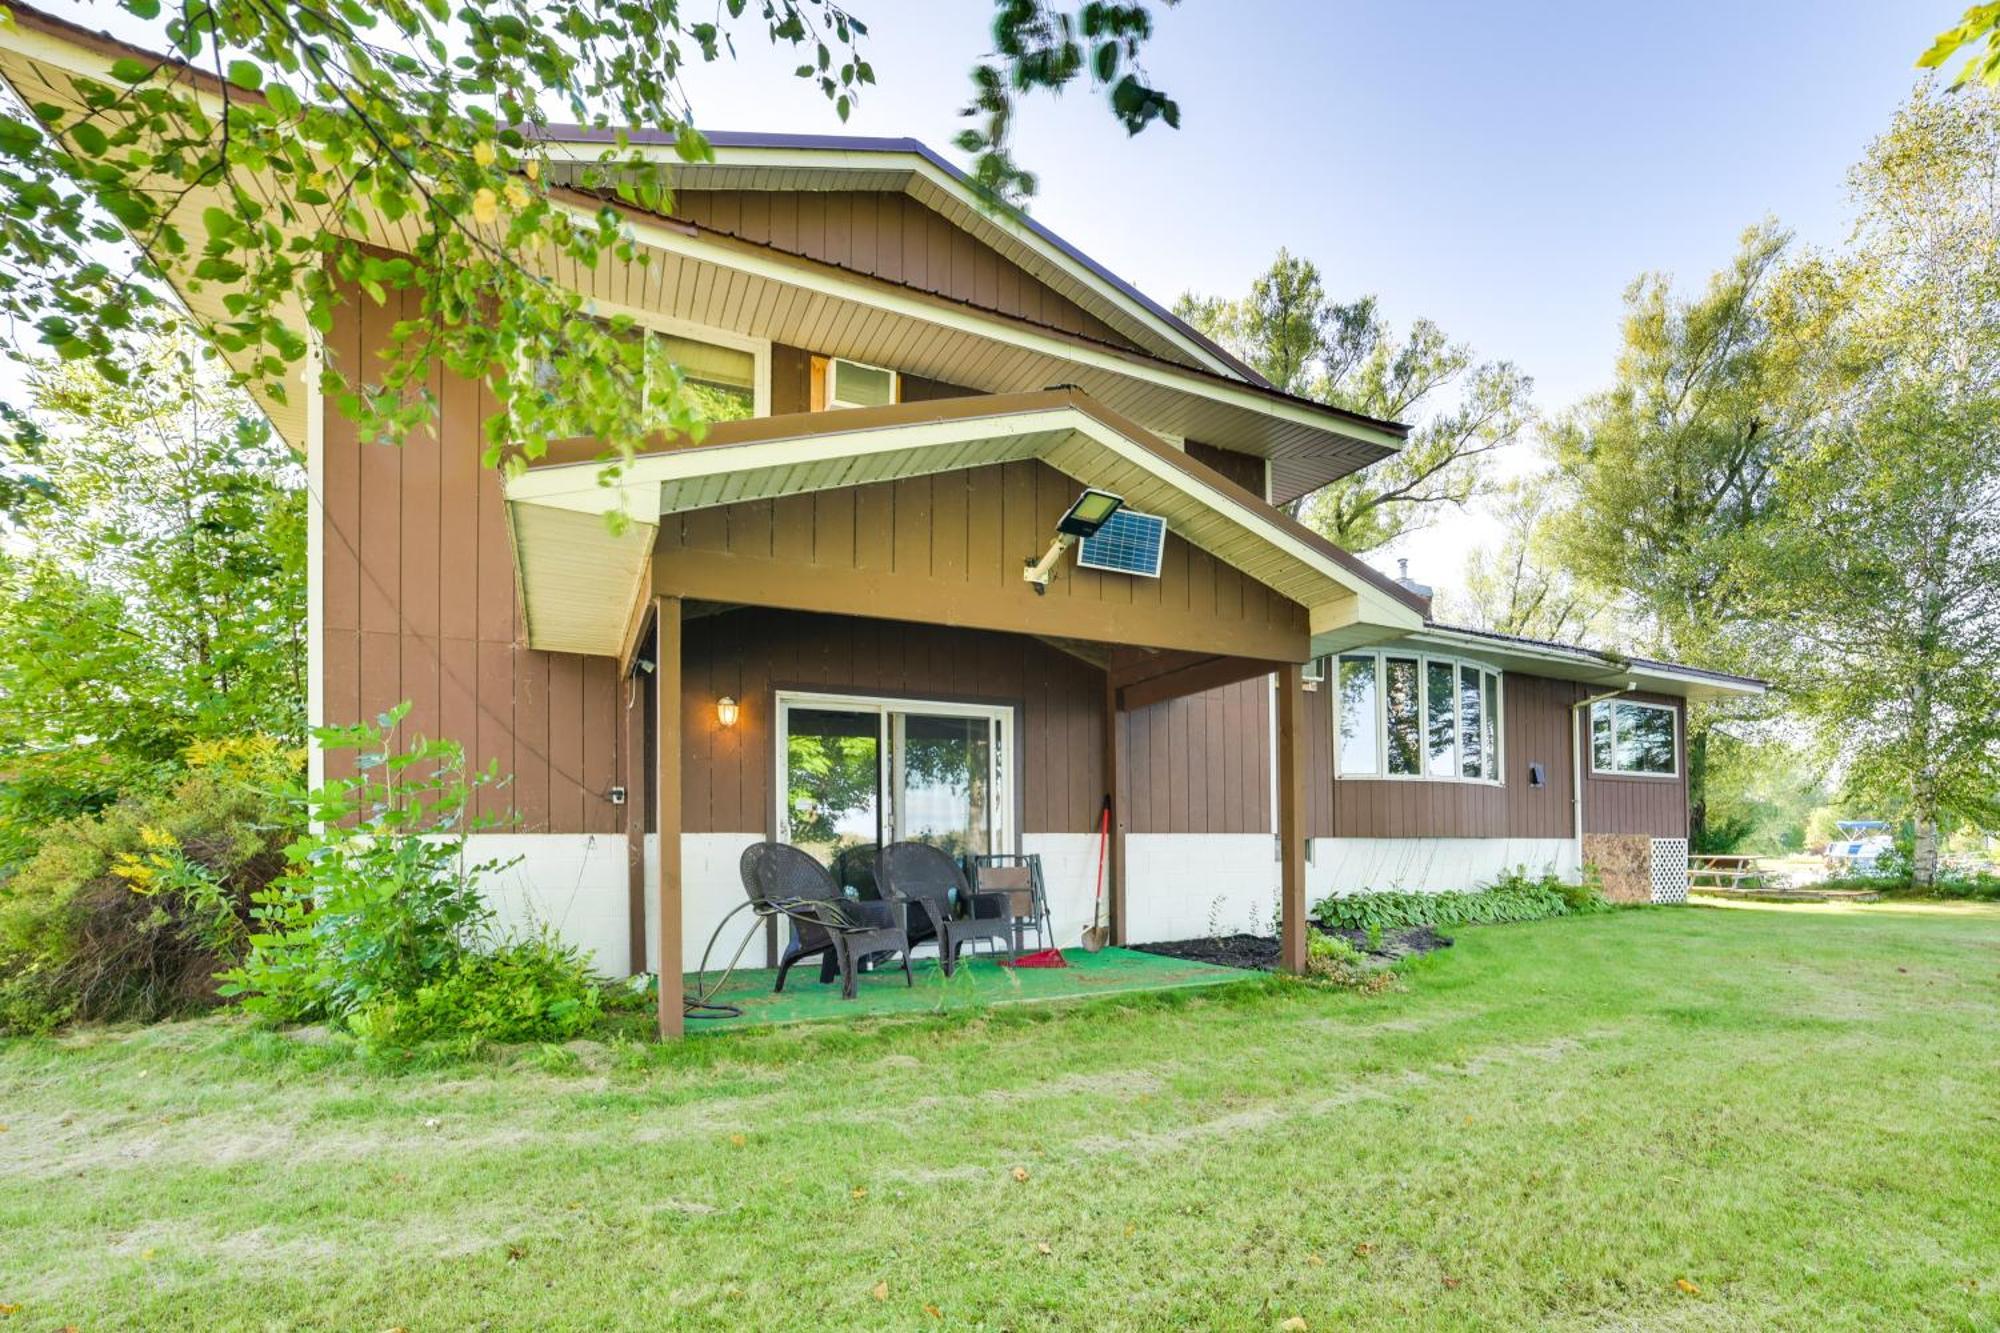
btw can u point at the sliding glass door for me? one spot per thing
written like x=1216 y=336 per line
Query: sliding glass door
x=857 y=771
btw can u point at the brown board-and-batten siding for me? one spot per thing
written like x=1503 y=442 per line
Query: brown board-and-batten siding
x=419 y=604
x=888 y=235
x=1535 y=729
x=1202 y=764
x=750 y=654
x=1180 y=775
x=1624 y=803
x=948 y=548
x=1245 y=470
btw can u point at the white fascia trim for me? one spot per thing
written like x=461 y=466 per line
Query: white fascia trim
x=841 y=159
x=315 y=558
x=1586 y=659
x=1386 y=612
x=893 y=302
x=575 y=486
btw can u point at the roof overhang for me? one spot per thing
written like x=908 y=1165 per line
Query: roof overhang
x=1588 y=666
x=791 y=162
x=1180 y=385
x=578 y=570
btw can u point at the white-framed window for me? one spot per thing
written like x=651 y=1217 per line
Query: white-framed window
x=1633 y=739
x=728 y=372
x=853 y=384
x=866 y=770
x=1416 y=716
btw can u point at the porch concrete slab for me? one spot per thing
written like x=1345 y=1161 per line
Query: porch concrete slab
x=976 y=984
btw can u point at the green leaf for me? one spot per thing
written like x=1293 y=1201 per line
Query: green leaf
x=244 y=74
x=128 y=70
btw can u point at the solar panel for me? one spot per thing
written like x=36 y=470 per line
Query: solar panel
x=1128 y=543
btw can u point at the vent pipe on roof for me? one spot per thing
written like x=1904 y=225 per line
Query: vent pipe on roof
x=1403 y=577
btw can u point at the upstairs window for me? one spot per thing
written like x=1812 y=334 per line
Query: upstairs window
x=722 y=379
x=852 y=384
x=1632 y=738
x=1412 y=715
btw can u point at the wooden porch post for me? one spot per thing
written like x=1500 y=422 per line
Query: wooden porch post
x=1117 y=784
x=1291 y=818
x=667 y=791
x=638 y=790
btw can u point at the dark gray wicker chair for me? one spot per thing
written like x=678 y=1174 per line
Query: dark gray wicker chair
x=854 y=868
x=922 y=882
x=825 y=923
x=1018 y=877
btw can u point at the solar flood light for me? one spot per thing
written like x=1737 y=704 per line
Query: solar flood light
x=1085 y=516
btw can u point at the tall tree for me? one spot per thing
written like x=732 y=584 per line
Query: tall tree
x=1663 y=474
x=1880 y=581
x=313 y=135
x=1884 y=584
x=154 y=594
x=1461 y=410
x=1520 y=587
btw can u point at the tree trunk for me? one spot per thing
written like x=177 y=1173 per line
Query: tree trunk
x=1924 y=843
x=1697 y=787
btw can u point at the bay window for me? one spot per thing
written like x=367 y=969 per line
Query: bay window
x=1410 y=715
x=1634 y=739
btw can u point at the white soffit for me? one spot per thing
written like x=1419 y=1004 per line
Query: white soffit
x=1342 y=603
x=1586 y=666
x=899 y=167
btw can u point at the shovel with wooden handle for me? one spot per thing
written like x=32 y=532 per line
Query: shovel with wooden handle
x=1097 y=934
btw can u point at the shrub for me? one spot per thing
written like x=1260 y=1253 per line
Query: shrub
x=1515 y=896
x=530 y=989
x=378 y=924
x=1332 y=959
x=130 y=913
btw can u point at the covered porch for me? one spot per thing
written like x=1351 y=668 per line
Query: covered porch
x=868 y=565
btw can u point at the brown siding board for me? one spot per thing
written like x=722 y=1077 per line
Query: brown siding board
x=1059 y=701
x=1246 y=470
x=888 y=235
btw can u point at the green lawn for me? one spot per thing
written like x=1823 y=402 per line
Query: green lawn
x=1694 y=1118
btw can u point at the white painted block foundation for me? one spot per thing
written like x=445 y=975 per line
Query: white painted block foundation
x=1182 y=886
x=1178 y=885
x=574 y=883
x=1430 y=865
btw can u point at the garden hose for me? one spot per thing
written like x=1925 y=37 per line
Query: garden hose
x=701 y=1003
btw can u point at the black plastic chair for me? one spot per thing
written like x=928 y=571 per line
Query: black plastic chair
x=1017 y=876
x=825 y=923
x=854 y=868
x=923 y=883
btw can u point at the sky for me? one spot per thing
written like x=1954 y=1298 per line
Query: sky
x=1504 y=170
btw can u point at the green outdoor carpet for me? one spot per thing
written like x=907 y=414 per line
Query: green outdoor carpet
x=976 y=983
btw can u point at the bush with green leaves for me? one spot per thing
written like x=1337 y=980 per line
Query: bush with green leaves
x=531 y=989
x=1514 y=896
x=378 y=924
x=1331 y=958
x=129 y=913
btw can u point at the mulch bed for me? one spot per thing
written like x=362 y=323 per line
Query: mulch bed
x=1260 y=952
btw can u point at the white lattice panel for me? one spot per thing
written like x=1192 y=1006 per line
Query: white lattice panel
x=1670 y=870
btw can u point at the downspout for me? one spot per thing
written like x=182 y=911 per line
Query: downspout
x=1576 y=772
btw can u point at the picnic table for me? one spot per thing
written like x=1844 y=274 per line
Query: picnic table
x=1724 y=872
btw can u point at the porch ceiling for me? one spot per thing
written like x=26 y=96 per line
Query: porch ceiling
x=577 y=573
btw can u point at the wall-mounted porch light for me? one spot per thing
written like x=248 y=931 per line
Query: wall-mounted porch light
x=1090 y=512
x=725 y=711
